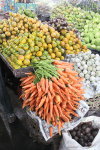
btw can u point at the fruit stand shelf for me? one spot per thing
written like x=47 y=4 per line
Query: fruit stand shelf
x=18 y=73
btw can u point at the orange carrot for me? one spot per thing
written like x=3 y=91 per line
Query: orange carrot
x=61 y=73
x=51 y=131
x=47 y=86
x=51 y=103
x=56 y=110
x=59 y=127
x=29 y=73
x=64 y=118
x=43 y=84
x=56 y=81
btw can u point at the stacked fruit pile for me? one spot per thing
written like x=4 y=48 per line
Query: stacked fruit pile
x=15 y=25
x=22 y=35
x=88 y=23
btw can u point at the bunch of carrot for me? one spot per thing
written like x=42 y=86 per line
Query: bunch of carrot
x=55 y=99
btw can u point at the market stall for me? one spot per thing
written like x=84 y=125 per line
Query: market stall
x=58 y=75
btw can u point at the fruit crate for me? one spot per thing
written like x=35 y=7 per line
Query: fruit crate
x=18 y=73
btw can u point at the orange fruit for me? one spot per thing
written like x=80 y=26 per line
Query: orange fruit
x=26 y=62
x=19 y=62
x=55 y=49
x=21 y=57
x=84 y=46
x=44 y=45
x=49 y=46
x=39 y=54
x=67 y=35
x=62 y=43
x=67 y=46
x=62 y=58
x=57 y=58
x=36 y=48
x=53 y=55
x=50 y=50
x=58 y=54
x=41 y=49
x=65 y=40
x=27 y=56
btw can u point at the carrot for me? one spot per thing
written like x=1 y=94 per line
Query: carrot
x=47 y=85
x=60 y=110
x=71 y=72
x=73 y=113
x=65 y=118
x=59 y=127
x=78 y=85
x=56 y=110
x=41 y=103
x=40 y=111
x=56 y=81
x=81 y=79
x=51 y=103
x=70 y=105
x=43 y=84
x=65 y=80
x=29 y=78
x=61 y=73
x=22 y=79
x=51 y=131
x=72 y=78
x=28 y=86
x=29 y=73
x=61 y=81
x=63 y=104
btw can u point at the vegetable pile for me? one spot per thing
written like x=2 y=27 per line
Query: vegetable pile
x=84 y=133
x=87 y=65
x=53 y=92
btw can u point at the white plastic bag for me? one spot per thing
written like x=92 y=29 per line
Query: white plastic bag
x=67 y=143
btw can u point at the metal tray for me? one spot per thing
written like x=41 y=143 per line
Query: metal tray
x=18 y=73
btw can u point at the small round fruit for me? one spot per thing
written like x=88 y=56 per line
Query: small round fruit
x=53 y=55
x=26 y=62
x=39 y=54
x=19 y=62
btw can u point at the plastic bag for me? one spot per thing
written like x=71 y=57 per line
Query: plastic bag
x=67 y=143
x=42 y=127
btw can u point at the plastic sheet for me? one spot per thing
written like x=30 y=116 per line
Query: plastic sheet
x=41 y=129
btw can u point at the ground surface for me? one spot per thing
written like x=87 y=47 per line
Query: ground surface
x=15 y=136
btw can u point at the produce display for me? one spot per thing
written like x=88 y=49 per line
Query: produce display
x=84 y=133
x=87 y=65
x=88 y=23
x=27 y=12
x=53 y=92
x=24 y=38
